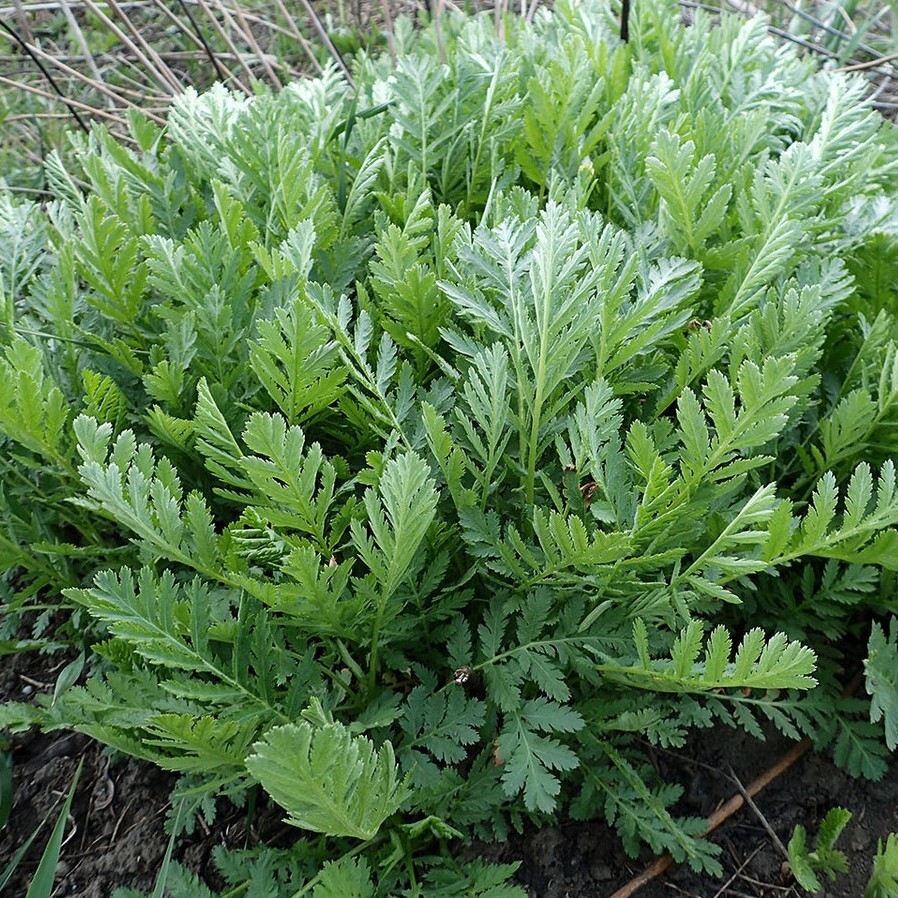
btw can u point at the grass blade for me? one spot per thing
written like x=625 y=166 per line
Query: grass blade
x=45 y=875
x=5 y=783
x=16 y=859
x=162 y=877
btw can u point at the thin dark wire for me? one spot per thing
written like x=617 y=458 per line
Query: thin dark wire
x=326 y=40
x=52 y=81
x=202 y=39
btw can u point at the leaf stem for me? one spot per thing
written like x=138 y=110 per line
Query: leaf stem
x=317 y=877
x=375 y=640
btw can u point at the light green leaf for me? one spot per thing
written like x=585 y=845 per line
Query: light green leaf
x=328 y=780
x=881 y=671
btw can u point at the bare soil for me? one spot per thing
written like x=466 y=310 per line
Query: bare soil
x=116 y=835
x=584 y=860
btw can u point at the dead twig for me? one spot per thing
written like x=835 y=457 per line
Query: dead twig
x=869 y=64
x=250 y=38
x=158 y=65
x=71 y=104
x=757 y=812
x=719 y=816
x=764 y=885
x=198 y=37
x=437 y=6
x=231 y=46
x=82 y=43
x=170 y=87
x=681 y=891
x=500 y=10
x=36 y=683
x=391 y=44
x=22 y=22
x=118 y=823
x=53 y=6
x=736 y=894
x=326 y=40
x=117 y=95
x=736 y=875
x=93 y=110
x=306 y=46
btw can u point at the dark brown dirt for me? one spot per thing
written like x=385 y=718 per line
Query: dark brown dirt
x=116 y=833
x=107 y=845
x=585 y=860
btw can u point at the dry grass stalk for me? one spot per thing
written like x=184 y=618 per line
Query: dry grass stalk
x=107 y=22
x=531 y=12
x=438 y=29
x=60 y=94
x=151 y=53
x=235 y=28
x=298 y=35
x=195 y=34
x=75 y=28
x=326 y=40
x=116 y=96
x=61 y=62
x=53 y=6
x=500 y=8
x=22 y=22
x=250 y=38
x=388 y=17
x=869 y=64
x=31 y=116
x=68 y=101
x=231 y=46
x=138 y=84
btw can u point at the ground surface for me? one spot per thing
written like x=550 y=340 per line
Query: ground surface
x=577 y=860
x=116 y=833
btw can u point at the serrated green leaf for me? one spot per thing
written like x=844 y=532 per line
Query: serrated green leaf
x=881 y=673
x=328 y=780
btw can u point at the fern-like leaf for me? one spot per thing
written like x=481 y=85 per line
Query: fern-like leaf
x=328 y=780
x=399 y=513
x=346 y=878
x=529 y=753
x=881 y=669
x=297 y=363
x=776 y=663
x=864 y=533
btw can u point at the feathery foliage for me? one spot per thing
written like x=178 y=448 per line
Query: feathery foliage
x=412 y=454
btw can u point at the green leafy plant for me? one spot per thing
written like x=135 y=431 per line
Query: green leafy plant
x=883 y=881
x=825 y=858
x=806 y=864
x=328 y=780
x=411 y=455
